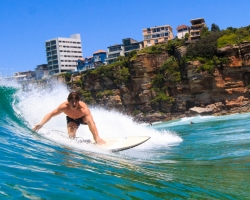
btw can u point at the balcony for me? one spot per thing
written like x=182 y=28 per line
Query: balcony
x=195 y=35
x=97 y=59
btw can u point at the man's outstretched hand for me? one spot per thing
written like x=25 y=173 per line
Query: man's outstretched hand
x=99 y=141
x=37 y=127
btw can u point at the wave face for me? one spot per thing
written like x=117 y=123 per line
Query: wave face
x=208 y=159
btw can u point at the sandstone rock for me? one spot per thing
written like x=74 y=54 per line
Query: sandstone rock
x=236 y=102
x=115 y=100
x=201 y=111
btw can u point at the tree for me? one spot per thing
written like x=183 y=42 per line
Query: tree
x=187 y=36
x=206 y=47
x=214 y=27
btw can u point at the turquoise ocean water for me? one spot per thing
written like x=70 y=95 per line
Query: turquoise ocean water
x=209 y=159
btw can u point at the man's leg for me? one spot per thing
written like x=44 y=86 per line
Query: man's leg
x=72 y=128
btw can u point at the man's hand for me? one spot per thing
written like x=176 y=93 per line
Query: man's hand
x=99 y=141
x=37 y=127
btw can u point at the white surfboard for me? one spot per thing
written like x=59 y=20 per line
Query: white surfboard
x=115 y=144
x=123 y=143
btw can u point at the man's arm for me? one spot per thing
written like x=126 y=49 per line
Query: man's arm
x=55 y=112
x=92 y=127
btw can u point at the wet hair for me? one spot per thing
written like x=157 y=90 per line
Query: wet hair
x=74 y=96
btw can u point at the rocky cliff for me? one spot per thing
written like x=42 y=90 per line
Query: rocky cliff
x=221 y=92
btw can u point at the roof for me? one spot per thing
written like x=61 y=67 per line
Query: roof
x=115 y=45
x=157 y=27
x=181 y=27
x=100 y=51
x=197 y=19
x=81 y=59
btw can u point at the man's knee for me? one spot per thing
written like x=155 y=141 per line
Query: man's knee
x=72 y=127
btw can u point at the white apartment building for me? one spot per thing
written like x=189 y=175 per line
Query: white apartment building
x=63 y=53
x=182 y=30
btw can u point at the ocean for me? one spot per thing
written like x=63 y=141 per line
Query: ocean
x=209 y=159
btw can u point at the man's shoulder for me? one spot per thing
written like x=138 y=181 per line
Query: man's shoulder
x=63 y=105
x=82 y=104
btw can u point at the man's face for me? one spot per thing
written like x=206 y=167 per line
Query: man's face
x=73 y=103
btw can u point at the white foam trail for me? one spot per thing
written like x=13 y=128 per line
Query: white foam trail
x=36 y=103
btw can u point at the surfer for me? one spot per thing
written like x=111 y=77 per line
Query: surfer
x=77 y=113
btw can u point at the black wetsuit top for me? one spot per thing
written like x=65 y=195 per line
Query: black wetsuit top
x=76 y=121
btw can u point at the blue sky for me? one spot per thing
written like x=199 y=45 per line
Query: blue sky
x=26 y=24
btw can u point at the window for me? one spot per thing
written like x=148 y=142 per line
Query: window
x=148 y=42
x=53 y=42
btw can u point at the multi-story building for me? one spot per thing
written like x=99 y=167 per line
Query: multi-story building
x=100 y=57
x=157 y=34
x=25 y=75
x=92 y=62
x=63 y=53
x=182 y=30
x=196 y=27
x=130 y=44
x=114 y=52
x=41 y=71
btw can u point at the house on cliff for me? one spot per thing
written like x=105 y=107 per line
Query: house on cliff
x=114 y=52
x=157 y=34
x=128 y=44
x=92 y=62
x=196 y=27
x=131 y=45
x=182 y=30
x=41 y=71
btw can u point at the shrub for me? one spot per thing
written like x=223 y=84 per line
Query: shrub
x=136 y=112
x=78 y=83
x=230 y=38
x=87 y=97
x=206 y=47
x=171 y=70
x=162 y=97
x=101 y=94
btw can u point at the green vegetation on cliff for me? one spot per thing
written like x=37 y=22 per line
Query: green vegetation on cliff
x=101 y=94
x=234 y=36
x=168 y=74
x=87 y=97
x=117 y=71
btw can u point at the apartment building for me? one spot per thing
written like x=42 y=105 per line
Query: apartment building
x=41 y=71
x=28 y=75
x=196 y=27
x=157 y=34
x=63 y=53
x=114 y=52
x=130 y=44
x=92 y=62
x=182 y=30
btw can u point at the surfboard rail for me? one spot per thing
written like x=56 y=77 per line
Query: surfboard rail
x=114 y=144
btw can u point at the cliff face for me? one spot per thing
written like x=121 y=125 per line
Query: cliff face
x=223 y=91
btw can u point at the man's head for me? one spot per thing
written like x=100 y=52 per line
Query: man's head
x=73 y=99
